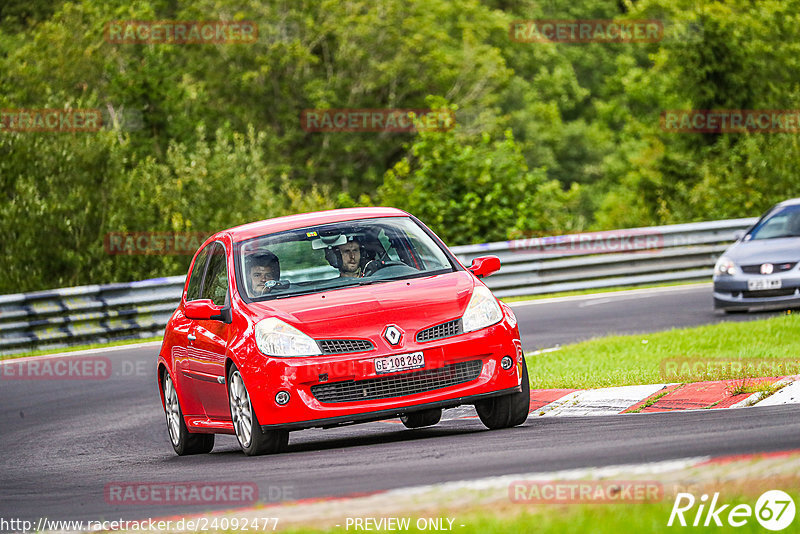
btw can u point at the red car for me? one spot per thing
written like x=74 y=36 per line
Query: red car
x=333 y=318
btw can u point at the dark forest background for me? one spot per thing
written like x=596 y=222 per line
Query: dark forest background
x=550 y=138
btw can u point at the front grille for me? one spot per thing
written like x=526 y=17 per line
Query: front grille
x=398 y=385
x=768 y=293
x=343 y=346
x=777 y=268
x=448 y=329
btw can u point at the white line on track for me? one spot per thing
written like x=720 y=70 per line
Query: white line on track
x=591 y=473
x=613 y=295
x=544 y=351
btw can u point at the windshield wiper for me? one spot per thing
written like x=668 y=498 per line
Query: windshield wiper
x=420 y=274
x=295 y=293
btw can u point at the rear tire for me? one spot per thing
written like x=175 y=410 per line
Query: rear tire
x=507 y=410
x=423 y=418
x=183 y=441
x=252 y=439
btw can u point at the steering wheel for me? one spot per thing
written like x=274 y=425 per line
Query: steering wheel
x=269 y=285
x=373 y=266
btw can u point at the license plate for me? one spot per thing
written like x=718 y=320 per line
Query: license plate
x=760 y=284
x=400 y=362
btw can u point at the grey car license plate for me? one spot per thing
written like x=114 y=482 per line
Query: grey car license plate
x=762 y=284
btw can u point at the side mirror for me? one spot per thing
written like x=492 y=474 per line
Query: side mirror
x=739 y=234
x=204 y=309
x=484 y=266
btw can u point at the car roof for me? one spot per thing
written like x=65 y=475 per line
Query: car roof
x=790 y=202
x=290 y=222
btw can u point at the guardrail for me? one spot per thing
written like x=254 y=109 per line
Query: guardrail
x=100 y=313
x=679 y=252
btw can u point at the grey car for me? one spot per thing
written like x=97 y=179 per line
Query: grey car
x=761 y=268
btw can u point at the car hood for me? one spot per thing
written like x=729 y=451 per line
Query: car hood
x=364 y=312
x=785 y=249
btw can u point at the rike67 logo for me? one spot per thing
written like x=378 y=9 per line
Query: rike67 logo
x=774 y=510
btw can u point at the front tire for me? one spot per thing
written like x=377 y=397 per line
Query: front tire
x=423 y=418
x=183 y=441
x=507 y=411
x=252 y=439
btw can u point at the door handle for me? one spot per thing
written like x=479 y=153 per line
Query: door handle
x=191 y=337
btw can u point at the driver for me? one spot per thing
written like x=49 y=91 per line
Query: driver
x=262 y=268
x=350 y=266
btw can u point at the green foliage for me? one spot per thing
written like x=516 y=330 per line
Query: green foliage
x=70 y=191
x=715 y=55
x=551 y=137
x=477 y=190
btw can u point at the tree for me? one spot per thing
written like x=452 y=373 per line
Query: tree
x=478 y=191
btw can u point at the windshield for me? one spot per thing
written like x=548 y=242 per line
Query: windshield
x=332 y=256
x=781 y=222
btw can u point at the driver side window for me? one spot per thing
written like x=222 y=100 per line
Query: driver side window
x=215 y=286
x=196 y=277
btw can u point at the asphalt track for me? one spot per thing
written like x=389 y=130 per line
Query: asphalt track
x=63 y=441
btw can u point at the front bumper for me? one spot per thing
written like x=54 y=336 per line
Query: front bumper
x=265 y=377
x=731 y=293
x=386 y=414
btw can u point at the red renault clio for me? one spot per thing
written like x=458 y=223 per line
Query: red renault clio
x=333 y=318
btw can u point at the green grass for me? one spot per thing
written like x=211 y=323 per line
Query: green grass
x=651 y=401
x=79 y=347
x=639 y=359
x=749 y=385
x=603 y=291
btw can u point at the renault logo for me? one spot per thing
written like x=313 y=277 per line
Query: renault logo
x=766 y=268
x=393 y=334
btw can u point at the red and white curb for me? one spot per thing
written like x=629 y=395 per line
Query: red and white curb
x=604 y=401
x=649 y=398
x=662 y=398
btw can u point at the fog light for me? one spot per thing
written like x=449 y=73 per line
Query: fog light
x=506 y=363
x=282 y=397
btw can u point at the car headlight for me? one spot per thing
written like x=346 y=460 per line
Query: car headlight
x=277 y=338
x=482 y=310
x=724 y=266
